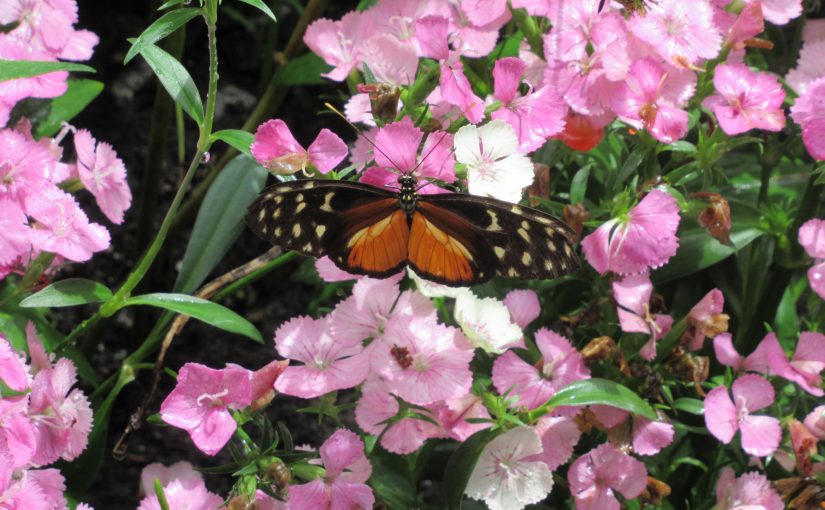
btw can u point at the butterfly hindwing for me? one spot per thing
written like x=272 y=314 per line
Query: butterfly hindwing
x=525 y=242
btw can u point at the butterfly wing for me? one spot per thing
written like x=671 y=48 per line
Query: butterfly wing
x=523 y=242
x=359 y=226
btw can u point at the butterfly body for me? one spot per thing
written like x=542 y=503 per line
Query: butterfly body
x=449 y=238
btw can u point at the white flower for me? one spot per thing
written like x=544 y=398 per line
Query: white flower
x=486 y=322
x=504 y=479
x=432 y=289
x=495 y=168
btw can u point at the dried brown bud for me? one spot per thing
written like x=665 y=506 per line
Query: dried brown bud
x=540 y=189
x=716 y=217
x=655 y=492
x=575 y=215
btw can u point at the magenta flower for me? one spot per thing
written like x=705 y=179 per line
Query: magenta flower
x=33 y=489
x=762 y=359
x=746 y=100
x=63 y=228
x=651 y=96
x=683 y=33
x=328 y=365
x=559 y=365
x=749 y=491
x=812 y=238
x=597 y=475
x=422 y=361
x=329 y=272
x=632 y=294
x=103 y=174
x=706 y=319
x=200 y=403
x=644 y=238
x=723 y=417
x=277 y=150
x=535 y=116
x=524 y=306
x=342 y=486
x=806 y=365
x=339 y=42
x=12 y=367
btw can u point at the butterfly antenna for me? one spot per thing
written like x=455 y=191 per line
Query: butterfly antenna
x=364 y=135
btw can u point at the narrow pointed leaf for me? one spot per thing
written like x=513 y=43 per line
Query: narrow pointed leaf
x=14 y=69
x=69 y=292
x=258 y=4
x=162 y=27
x=176 y=80
x=601 y=391
x=240 y=140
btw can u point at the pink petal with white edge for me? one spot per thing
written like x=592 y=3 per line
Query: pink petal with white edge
x=760 y=435
x=327 y=151
x=725 y=352
x=649 y=437
x=812 y=238
x=720 y=414
x=524 y=306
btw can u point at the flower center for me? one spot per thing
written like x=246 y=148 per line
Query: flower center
x=212 y=399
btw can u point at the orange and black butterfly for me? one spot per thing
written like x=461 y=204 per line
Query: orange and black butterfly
x=449 y=238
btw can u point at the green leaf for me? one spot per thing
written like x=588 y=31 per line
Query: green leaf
x=220 y=220
x=14 y=69
x=304 y=70
x=162 y=27
x=690 y=406
x=69 y=292
x=176 y=80
x=392 y=481
x=170 y=3
x=201 y=309
x=601 y=391
x=461 y=464
x=258 y=4
x=63 y=109
x=578 y=186
x=240 y=140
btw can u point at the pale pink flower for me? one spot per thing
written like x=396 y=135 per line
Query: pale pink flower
x=632 y=294
x=342 y=486
x=390 y=60
x=376 y=406
x=47 y=25
x=200 y=403
x=705 y=319
x=182 y=472
x=422 y=361
x=327 y=364
x=644 y=238
x=103 y=174
x=39 y=359
x=809 y=112
x=505 y=476
x=780 y=12
x=18 y=441
x=683 y=33
x=746 y=100
x=495 y=167
x=25 y=166
x=812 y=238
x=400 y=18
x=559 y=435
x=810 y=67
x=52 y=485
x=42 y=86
x=723 y=417
x=453 y=416
x=476 y=24
x=806 y=365
x=536 y=7
x=739 y=28
x=523 y=305
x=431 y=36
x=20 y=490
x=373 y=302
x=596 y=476
x=358 y=108
x=560 y=364
x=648 y=437
x=535 y=116
x=277 y=150
x=63 y=228
x=455 y=89
x=329 y=272
x=751 y=491
x=651 y=96
x=180 y=495
x=815 y=421
x=12 y=368
x=338 y=42
x=486 y=322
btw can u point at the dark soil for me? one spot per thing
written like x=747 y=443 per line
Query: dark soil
x=121 y=116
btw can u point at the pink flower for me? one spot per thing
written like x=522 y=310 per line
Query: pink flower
x=476 y=24
x=779 y=12
x=456 y=90
x=486 y=322
x=632 y=294
x=180 y=495
x=746 y=100
x=390 y=60
x=47 y=26
x=24 y=167
x=14 y=232
x=647 y=437
x=682 y=33
x=374 y=412
x=453 y=416
x=645 y=238
x=534 y=384
x=524 y=306
x=806 y=365
x=706 y=319
x=506 y=475
x=749 y=491
x=651 y=96
x=809 y=112
x=342 y=486
x=329 y=272
x=373 y=303
x=328 y=365
x=812 y=238
x=559 y=435
x=595 y=476
x=338 y=42
x=200 y=403
x=738 y=29
x=12 y=367
x=535 y=116
x=103 y=174
x=62 y=416
x=18 y=441
x=422 y=361
x=277 y=150
x=723 y=417
x=815 y=421
x=63 y=228
x=809 y=68
x=182 y=472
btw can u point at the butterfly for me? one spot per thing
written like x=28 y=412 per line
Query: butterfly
x=449 y=238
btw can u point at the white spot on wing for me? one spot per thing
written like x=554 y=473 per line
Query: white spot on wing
x=296 y=230
x=524 y=235
x=301 y=207
x=526 y=259
x=494 y=226
x=499 y=252
x=327 y=206
x=319 y=230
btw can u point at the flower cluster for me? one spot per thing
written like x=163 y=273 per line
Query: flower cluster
x=44 y=421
